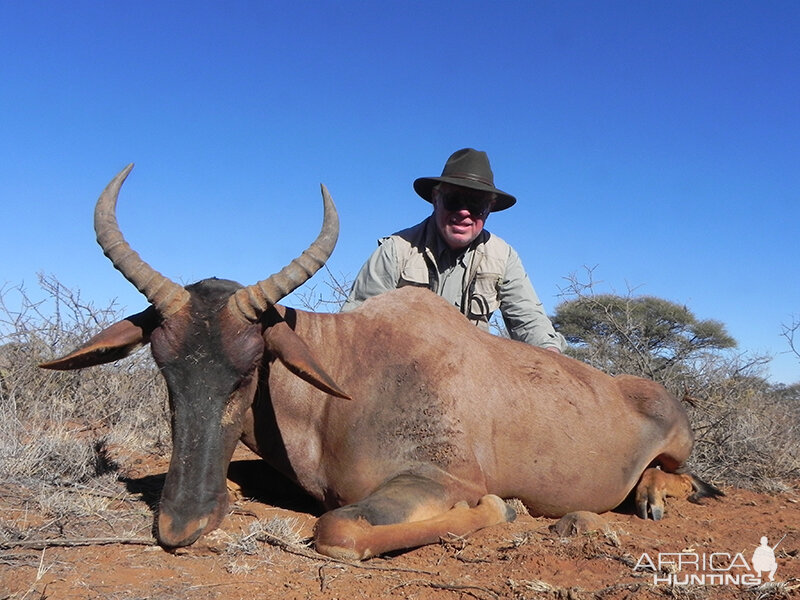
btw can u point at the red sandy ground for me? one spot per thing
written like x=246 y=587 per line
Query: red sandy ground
x=521 y=560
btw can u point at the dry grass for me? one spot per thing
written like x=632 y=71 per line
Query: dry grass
x=248 y=551
x=64 y=434
x=748 y=432
x=283 y=532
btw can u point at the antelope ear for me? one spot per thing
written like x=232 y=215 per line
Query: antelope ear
x=113 y=343
x=296 y=356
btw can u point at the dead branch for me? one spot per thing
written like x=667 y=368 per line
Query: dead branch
x=66 y=542
x=313 y=555
x=789 y=331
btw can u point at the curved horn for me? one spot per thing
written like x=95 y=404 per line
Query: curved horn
x=165 y=295
x=251 y=302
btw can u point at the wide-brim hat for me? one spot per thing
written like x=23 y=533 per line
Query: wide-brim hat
x=470 y=169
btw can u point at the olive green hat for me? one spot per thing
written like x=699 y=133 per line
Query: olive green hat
x=470 y=169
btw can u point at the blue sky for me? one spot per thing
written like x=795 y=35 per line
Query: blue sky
x=655 y=142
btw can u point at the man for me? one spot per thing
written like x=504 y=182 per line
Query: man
x=452 y=254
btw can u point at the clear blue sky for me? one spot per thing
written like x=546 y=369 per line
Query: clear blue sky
x=657 y=142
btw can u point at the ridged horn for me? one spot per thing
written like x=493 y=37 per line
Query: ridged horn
x=251 y=302
x=164 y=294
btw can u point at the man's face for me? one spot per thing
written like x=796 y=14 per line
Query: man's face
x=460 y=214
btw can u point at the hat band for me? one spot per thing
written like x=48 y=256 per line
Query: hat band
x=471 y=177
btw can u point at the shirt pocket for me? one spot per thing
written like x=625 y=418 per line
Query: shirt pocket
x=483 y=297
x=415 y=275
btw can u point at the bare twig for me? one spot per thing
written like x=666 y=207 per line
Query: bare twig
x=313 y=555
x=66 y=542
x=789 y=332
x=332 y=298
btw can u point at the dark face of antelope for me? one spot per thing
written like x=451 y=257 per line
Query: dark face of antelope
x=210 y=361
x=209 y=342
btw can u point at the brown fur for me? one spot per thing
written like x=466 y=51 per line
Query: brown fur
x=656 y=486
x=476 y=413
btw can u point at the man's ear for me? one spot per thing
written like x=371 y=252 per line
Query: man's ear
x=113 y=343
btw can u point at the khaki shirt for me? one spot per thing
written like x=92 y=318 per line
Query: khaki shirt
x=466 y=279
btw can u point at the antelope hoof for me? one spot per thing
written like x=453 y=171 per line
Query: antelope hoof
x=506 y=513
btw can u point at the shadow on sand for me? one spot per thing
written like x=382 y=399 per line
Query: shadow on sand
x=256 y=478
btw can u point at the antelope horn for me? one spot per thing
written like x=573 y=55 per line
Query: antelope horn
x=251 y=302
x=165 y=295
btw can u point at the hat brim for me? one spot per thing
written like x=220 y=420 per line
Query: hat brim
x=424 y=187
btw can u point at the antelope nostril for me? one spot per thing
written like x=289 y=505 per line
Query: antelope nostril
x=173 y=535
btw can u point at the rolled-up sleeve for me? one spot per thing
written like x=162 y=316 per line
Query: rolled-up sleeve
x=522 y=310
x=378 y=275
